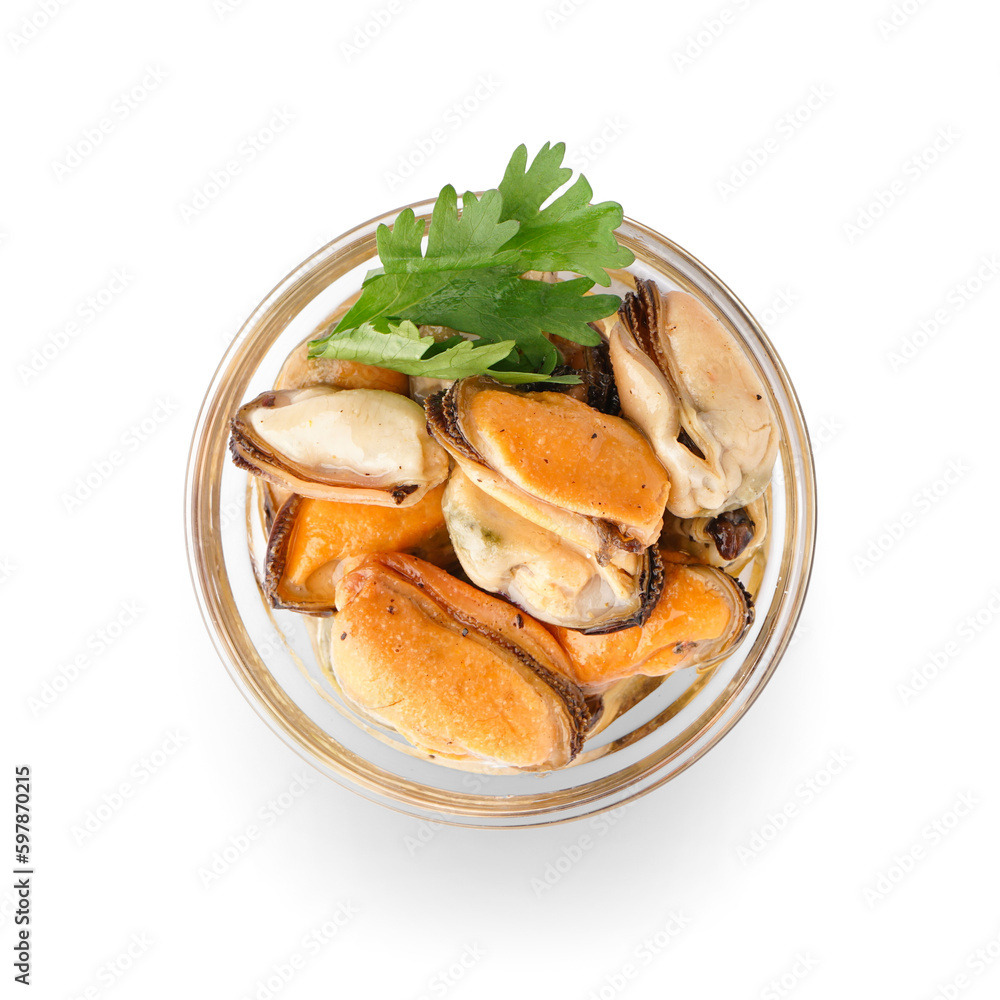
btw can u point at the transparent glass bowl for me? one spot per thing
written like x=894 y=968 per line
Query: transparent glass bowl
x=269 y=654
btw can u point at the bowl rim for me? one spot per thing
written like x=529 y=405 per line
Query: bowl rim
x=206 y=573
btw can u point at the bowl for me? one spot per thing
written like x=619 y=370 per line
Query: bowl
x=269 y=654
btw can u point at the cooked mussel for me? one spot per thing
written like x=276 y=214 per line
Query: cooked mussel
x=458 y=673
x=364 y=446
x=727 y=541
x=592 y=366
x=552 y=579
x=685 y=382
x=587 y=476
x=300 y=371
x=310 y=538
x=701 y=616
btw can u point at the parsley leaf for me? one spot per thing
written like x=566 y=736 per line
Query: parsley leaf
x=570 y=234
x=402 y=348
x=454 y=242
x=470 y=276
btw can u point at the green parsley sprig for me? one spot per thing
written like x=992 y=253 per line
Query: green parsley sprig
x=471 y=278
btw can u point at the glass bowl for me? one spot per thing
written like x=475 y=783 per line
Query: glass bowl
x=269 y=653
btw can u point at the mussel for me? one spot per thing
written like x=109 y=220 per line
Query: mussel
x=310 y=538
x=587 y=476
x=458 y=673
x=592 y=366
x=685 y=382
x=701 y=616
x=300 y=371
x=546 y=575
x=364 y=446
x=727 y=541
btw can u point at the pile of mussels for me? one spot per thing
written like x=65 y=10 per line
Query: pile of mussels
x=488 y=562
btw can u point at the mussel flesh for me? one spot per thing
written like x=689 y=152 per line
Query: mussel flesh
x=310 y=538
x=359 y=445
x=701 y=616
x=458 y=673
x=552 y=579
x=589 y=477
x=685 y=382
x=727 y=541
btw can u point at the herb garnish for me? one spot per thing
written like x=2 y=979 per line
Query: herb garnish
x=470 y=278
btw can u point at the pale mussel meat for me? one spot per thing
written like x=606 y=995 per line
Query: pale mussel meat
x=541 y=572
x=683 y=379
x=366 y=446
x=727 y=541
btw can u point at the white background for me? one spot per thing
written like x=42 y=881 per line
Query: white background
x=905 y=452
